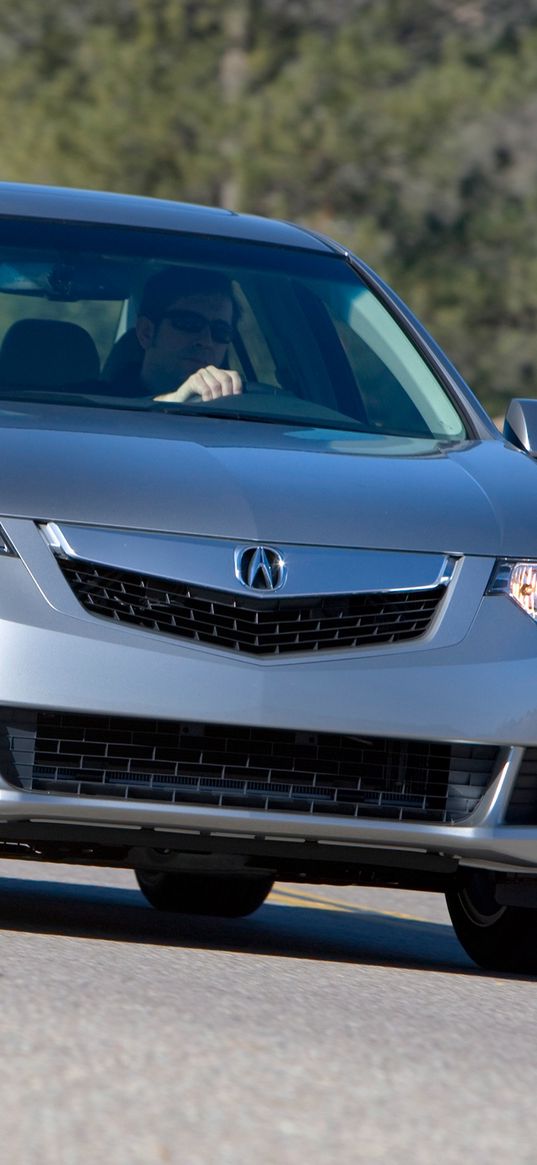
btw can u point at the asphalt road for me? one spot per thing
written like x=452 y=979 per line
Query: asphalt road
x=335 y=1025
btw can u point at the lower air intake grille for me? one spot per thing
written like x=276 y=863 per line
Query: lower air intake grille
x=522 y=808
x=258 y=626
x=252 y=768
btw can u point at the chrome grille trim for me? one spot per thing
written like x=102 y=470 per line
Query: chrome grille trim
x=210 y=562
x=254 y=625
x=5 y=544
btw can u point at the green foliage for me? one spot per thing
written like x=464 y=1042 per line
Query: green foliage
x=404 y=128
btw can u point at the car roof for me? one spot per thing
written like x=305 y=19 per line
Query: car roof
x=21 y=200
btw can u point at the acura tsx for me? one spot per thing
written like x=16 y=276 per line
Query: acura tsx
x=268 y=573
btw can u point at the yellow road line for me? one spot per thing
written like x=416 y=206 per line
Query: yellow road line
x=299 y=898
x=283 y=899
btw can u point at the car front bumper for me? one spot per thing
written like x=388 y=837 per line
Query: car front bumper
x=473 y=678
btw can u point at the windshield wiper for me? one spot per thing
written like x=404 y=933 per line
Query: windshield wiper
x=343 y=424
x=207 y=410
x=149 y=405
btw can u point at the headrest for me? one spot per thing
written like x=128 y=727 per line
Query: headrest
x=47 y=353
x=126 y=352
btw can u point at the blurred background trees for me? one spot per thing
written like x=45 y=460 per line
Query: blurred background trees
x=405 y=128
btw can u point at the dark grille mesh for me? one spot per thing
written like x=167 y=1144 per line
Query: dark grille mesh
x=522 y=808
x=267 y=626
x=257 y=768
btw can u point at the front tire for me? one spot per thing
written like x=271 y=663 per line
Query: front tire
x=497 y=938
x=222 y=895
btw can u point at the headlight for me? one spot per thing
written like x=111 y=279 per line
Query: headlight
x=5 y=545
x=518 y=580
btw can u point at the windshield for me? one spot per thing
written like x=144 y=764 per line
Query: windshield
x=123 y=318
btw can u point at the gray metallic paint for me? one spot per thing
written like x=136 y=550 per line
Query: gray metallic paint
x=19 y=200
x=61 y=656
x=220 y=483
x=251 y=482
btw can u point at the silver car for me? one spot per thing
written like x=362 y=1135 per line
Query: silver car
x=268 y=573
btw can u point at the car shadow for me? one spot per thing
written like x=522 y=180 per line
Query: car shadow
x=113 y=914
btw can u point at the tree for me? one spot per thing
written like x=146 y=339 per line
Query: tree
x=404 y=128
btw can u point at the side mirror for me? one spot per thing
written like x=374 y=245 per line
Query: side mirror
x=520 y=425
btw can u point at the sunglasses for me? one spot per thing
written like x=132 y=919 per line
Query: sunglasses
x=193 y=321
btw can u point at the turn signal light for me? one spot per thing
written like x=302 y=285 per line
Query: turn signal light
x=518 y=580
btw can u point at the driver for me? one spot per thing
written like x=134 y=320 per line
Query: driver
x=185 y=326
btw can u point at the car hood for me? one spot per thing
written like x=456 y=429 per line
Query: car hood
x=265 y=482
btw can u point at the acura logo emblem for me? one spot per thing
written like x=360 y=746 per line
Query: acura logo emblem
x=261 y=568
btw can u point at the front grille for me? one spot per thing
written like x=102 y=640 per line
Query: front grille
x=522 y=808
x=258 y=626
x=252 y=768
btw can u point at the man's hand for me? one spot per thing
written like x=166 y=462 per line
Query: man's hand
x=209 y=383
